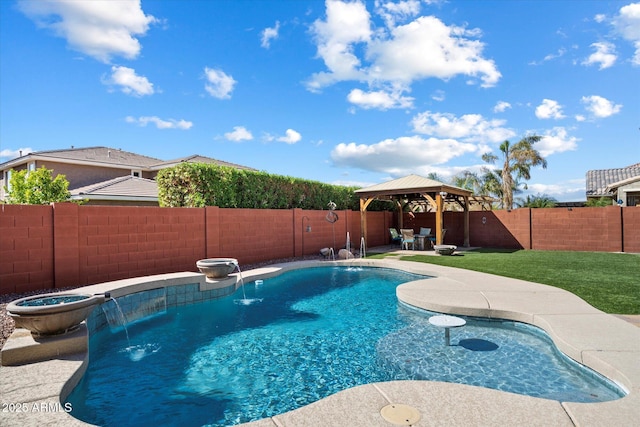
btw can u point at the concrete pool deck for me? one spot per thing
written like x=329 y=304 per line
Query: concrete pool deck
x=601 y=341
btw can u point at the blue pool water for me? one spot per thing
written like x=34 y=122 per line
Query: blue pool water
x=308 y=334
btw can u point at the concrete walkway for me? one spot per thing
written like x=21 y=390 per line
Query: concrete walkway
x=603 y=342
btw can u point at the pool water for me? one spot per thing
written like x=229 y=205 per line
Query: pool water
x=300 y=337
x=54 y=300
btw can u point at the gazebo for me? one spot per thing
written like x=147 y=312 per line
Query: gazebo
x=415 y=188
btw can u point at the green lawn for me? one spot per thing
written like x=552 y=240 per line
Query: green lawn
x=608 y=281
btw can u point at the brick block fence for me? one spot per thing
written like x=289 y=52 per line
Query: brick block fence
x=62 y=245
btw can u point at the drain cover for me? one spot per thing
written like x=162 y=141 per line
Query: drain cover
x=400 y=415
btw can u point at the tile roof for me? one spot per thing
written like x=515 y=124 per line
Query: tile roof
x=598 y=180
x=116 y=157
x=124 y=186
x=106 y=155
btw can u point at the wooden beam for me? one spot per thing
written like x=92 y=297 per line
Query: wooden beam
x=430 y=200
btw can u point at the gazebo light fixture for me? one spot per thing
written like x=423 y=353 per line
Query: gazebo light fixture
x=443 y=193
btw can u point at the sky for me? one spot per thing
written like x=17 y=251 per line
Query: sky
x=342 y=92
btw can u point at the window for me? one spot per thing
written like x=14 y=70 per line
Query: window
x=633 y=199
x=136 y=173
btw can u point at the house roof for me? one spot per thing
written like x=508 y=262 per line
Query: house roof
x=410 y=184
x=121 y=188
x=111 y=157
x=104 y=156
x=599 y=180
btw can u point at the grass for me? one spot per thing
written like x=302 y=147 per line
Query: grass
x=607 y=281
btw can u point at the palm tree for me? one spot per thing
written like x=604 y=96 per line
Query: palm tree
x=491 y=183
x=468 y=180
x=518 y=160
x=434 y=176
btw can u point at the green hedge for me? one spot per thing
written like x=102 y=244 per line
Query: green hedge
x=199 y=185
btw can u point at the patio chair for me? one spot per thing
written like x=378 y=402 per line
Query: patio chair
x=407 y=238
x=426 y=232
x=395 y=237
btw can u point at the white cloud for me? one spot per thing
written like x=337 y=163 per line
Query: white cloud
x=549 y=109
x=346 y=25
x=570 y=190
x=290 y=137
x=580 y=118
x=98 y=28
x=12 y=154
x=560 y=53
x=239 y=133
x=269 y=34
x=627 y=23
x=501 y=107
x=129 y=82
x=600 y=107
x=219 y=84
x=604 y=55
x=556 y=140
x=354 y=50
x=401 y=11
x=599 y=18
x=380 y=100
x=439 y=96
x=160 y=123
x=428 y=48
x=469 y=127
x=401 y=155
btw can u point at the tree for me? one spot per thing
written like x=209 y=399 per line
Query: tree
x=518 y=160
x=540 y=201
x=491 y=184
x=602 y=201
x=468 y=180
x=37 y=187
x=434 y=176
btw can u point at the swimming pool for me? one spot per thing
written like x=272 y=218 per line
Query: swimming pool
x=309 y=334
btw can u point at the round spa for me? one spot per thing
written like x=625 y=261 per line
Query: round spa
x=53 y=314
x=217 y=268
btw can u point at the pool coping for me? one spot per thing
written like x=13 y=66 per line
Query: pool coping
x=601 y=341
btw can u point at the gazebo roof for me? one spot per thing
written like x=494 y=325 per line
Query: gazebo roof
x=410 y=184
x=411 y=188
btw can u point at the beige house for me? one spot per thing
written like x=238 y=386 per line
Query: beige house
x=622 y=185
x=102 y=175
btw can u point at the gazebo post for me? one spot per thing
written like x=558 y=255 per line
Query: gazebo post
x=466 y=222
x=364 y=203
x=439 y=218
x=363 y=219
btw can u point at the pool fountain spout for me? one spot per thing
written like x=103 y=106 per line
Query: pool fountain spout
x=54 y=313
x=217 y=268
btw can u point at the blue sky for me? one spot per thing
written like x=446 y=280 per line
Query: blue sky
x=342 y=92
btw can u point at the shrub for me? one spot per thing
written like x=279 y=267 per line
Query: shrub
x=199 y=185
